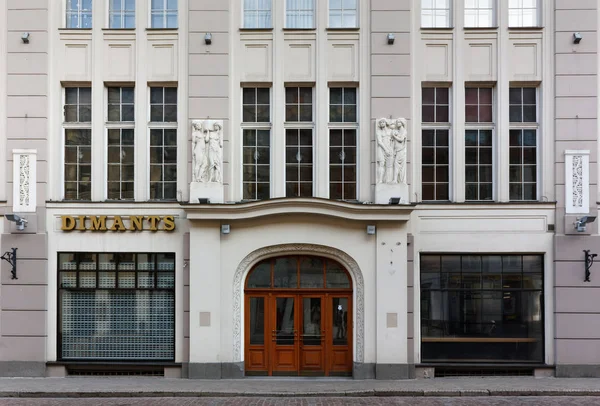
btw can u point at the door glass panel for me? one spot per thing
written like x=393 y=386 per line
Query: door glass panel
x=340 y=321
x=257 y=321
x=285 y=321
x=337 y=278
x=285 y=273
x=311 y=273
x=260 y=276
x=311 y=329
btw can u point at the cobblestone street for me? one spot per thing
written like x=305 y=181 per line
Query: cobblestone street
x=313 y=401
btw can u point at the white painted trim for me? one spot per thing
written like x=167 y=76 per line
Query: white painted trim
x=577 y=181
x=24 y=180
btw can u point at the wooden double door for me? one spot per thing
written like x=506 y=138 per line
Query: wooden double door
x=305 y=334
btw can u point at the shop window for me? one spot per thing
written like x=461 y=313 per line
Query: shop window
x=116 y=306
x=487 y=308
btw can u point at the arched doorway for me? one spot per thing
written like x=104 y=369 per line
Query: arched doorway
x=298 y=317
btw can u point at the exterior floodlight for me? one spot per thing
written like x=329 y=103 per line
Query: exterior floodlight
x=395 y=200
x=208 y=38
x=577 y=37
x=21 y=222
x=225 y=229
x=391 y=38
x=581 y=223
x=371 y=230
x=25 y=37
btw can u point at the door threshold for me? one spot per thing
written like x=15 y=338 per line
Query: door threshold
x=300 y=378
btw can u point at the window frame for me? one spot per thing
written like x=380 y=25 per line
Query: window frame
x=162 y=125
x=67 y=11
x=342 y=26
x=243 y=22
x=74 y=125
x=538 y=15
x=313 y=19
x=434 y=9
x=344 y=126
x=494 y=12
x=485 y=126
x=164 y=12
x=527 y=125
x=121 y=13
x=256 y=126
x=301 y=125
x=438 y=126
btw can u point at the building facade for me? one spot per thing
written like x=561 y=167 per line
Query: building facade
x=367 y=188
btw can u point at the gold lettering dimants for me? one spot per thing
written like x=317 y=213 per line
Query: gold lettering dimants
x=117 y=223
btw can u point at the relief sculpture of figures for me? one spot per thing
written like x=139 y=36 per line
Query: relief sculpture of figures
x=207 y=151
x=391 y=150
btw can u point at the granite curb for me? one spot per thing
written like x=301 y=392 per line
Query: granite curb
x=351 y=393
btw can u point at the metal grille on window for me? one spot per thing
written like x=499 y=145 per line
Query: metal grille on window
x=124 y=314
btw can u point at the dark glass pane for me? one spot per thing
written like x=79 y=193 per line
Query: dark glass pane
x=533 y=264
x=430 y=263
x=427 y=137
x=471 y=114
x=127 y=95
x=335 y=95
x=485 y=192
x=171 y=113
x=428 y=192
x=529 y=156
x=485 y=156
x=428 y=113
x=471 y=156
x=114 y=112
x=450 y=263
x=430 y=280
x=156 y=95
x=128 y=113
x=285 y=273
x=471 y=96
x=428 y=156
x=285 y=321
x=306 y=95
x=156 y=113
x=441 y=156
x=71 y=94
x=291 y=95
x=428 y=174
x=515 y=95
x=471 y=263
x=515 y=191
x=311 y=272
x=311 y=321
x=428 y=95
x=530 y=191
x=263 y=96
x=471 y=174
x=336 y=276
x=485 y=114
x=85 y=95
x=442 y=95
x=471 y=138
x=262 y=173
x=442 y=174
x=85 y=114
x=441 y=138
x=335 y=114
x=349 y=96
x=485 y=95
x=529 y=138
x=349 y=114
x=442 y=192
x=306 y=112
x=349 y=173
x=249 y=137
x=529 y=95
x=529 y=114
x=339 y=329
x=516 y=114
x=515 y=174
x=263 y=138
x=71 y=114
x=114 y=95
x=350 y=138
x=529 y=173
x=263 y=114
x=516 y=156
x=485 y=174
x=516 y=138
x=249 y=96
x=442 y=114
x=305 y=189
x=260 y=277
x=249 y=114
x=291 y=113
x=262 y=191
x=257 y=321
x=291 y=173
x=171 y=95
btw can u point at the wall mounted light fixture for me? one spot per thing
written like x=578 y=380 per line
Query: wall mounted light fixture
x=391 y=38
x=580 y=224
x=225 y=229
x=589 y=261
x=371 y=230
x=395 y=200
x=11 y=258
x=208 y=38
x=20 y=221
x=25 y=38
x=577 y=37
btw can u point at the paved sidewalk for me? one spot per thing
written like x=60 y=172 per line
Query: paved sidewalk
x=252 y=387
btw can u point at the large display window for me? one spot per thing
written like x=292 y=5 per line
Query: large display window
x=116 y=306
x=482 y=308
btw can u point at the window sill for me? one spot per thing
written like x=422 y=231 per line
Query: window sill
x=437 y=28
x=337 y=29
x=480 y=28
x=538 y=28
x=162 y=29
x=299 y=29
x=119 y=29
x=244 y=29
x=75 y=29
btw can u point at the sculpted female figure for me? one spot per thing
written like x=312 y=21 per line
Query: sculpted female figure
x=214 y=139
x=399 y=136
x=384 y=150
x=199 y=158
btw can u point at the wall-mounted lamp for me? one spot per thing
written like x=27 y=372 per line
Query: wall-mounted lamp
x=25 y=37
x=208 y=38
x=21 y=222
x=577 y=37
x=589 y=261
x=11 y=258
x=395 y=200
x=581 y=223
x=391 y=38
x=371 y=230
x=203 y=200
x=225 y=229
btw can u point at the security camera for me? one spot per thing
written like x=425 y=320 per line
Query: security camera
x=21 y=222
x=25 y=37
x=577 y=37
x=580 y=223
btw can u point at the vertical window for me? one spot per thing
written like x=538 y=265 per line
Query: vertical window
x=523 y=13
x=78 y=143
x=256 y=136
x=343 y=128
x=342 y=13
x=163 y=14
x=299 y=13
x=479 y=13
x=121 y=143
x=435 y=144
x=163 y=143
x=257 y=14
x=523 y=144
x=79 y=13
x=299 y=142
x=121 y=14
x=479 y=142
x=435 y=13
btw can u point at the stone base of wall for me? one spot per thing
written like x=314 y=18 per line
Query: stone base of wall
x=577 y=371
x=363 y=371
x=213 y=370
x=394 y=371
x=22 y=369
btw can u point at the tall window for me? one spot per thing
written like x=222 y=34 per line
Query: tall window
x=523 y=144
x=163 y=14
x=78 y=143
x=479 y=13
x=299 y=142
x=523 y=13
x=121 y=14
x=299 y=13
x=435 y=13
x=343 y=126
x=479 y=162
x=79 y=13
x=435 y=143
x=257 y=14
x=121 y=143
x=163 y=143
x=342 y=13
x=257 y=140
x=116 y=306
x=482 y=307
